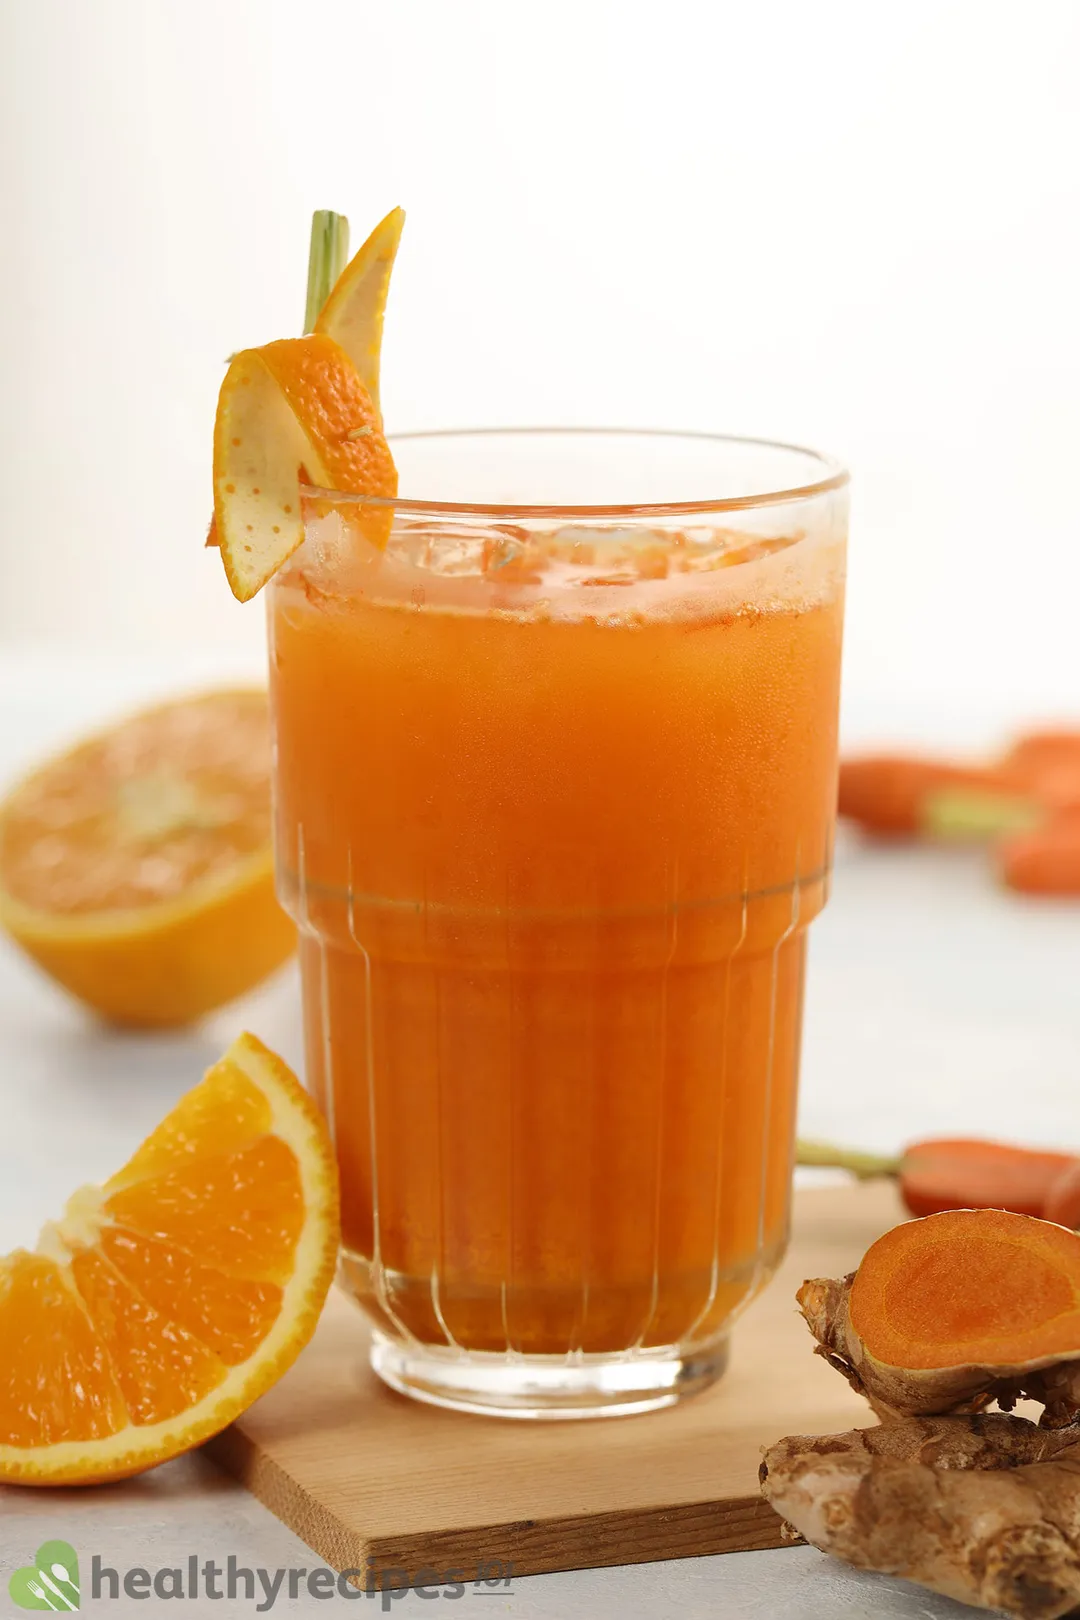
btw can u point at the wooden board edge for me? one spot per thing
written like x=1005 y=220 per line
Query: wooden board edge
x=525 y=1547
x=588 y=1541
x=317 y=1528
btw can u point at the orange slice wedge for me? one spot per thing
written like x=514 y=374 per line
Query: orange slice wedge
x=353 y=313
x=162 y=1304
x=288 y=412
x=137 y=868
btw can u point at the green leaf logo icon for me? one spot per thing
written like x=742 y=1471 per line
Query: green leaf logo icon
x=50 y=1582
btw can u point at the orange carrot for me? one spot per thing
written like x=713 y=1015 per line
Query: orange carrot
x=958 y=1173
x=1063 y=1199
x=1036 y=748
x=955 y=1173
x=888 y=794
x=1045 y=860
x=1047 y=764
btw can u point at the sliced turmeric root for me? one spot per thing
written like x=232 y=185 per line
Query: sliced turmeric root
x=950 y=1313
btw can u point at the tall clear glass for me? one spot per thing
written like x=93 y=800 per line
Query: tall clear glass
x=555 y=785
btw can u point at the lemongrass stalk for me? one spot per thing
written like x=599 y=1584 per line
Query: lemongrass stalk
x=326 y=260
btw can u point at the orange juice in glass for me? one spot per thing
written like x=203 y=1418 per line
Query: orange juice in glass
x=555 y=785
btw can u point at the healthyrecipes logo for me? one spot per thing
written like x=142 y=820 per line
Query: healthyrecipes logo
x=52 y=1581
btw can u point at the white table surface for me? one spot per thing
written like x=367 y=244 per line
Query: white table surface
x=935 y=1004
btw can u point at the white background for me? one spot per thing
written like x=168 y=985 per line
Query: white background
x=855 y=226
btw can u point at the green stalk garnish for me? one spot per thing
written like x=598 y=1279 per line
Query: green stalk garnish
x=326 y=260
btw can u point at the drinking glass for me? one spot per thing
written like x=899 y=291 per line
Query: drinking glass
x=555 y=779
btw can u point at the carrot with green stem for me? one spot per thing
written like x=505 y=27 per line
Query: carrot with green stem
x=910 y=795
x=892 y=795
x=953 y=1173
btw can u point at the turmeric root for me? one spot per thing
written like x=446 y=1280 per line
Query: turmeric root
x=957 y=1310
x=982 y=1509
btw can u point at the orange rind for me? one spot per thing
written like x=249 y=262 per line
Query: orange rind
x=292 y=412
x=353 y=313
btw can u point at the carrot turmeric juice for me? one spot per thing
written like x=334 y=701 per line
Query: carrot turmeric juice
x=554 y=809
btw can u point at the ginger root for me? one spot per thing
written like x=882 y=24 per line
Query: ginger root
x=955 y=1311
x=984 y=1509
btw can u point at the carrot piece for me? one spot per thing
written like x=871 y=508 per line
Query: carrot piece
x=887 y=794
x=953 y=1173
x=961 y=1173
x=1045 y=860
x=1063 y=1199
x=1038 y=748
x=1047 y=764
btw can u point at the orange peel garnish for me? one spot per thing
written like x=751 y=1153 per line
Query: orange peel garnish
x=290 y=412
x=353 y=313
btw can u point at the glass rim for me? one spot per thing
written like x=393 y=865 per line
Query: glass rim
x=835 y=476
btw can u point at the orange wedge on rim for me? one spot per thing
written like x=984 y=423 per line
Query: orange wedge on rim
x=291 y=412
x=305 y=410
x=162 y=1304
x=136 y=868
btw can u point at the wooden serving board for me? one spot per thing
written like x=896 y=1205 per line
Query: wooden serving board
x=369 y=1478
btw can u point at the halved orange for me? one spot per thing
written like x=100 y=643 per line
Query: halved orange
x=137 y=868
x=162 y=1304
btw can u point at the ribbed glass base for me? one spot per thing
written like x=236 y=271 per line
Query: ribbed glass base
x=547 y=1387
